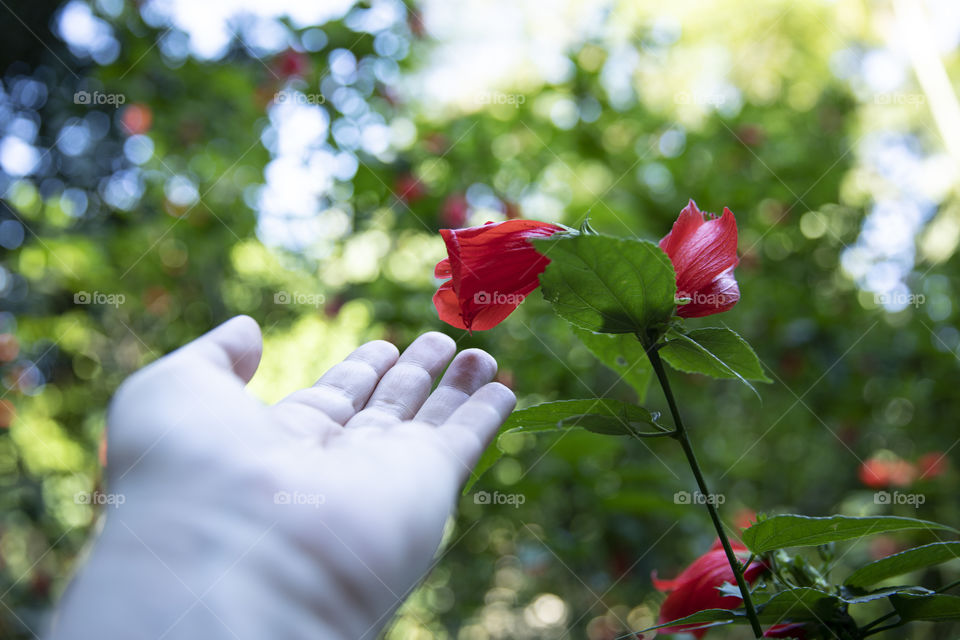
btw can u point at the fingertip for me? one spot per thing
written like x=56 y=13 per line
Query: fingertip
x=501 y=396
x=436 y=340
x=379 y=353
x=477 y=360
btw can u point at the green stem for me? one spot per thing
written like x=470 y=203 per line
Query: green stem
x=680 y=434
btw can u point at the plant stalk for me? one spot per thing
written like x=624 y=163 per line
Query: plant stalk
x=680 y=434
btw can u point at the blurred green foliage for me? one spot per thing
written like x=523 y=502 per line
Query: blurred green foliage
x=599 y=514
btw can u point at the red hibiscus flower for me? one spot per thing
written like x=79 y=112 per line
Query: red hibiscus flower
x=697 y=588
x=491 y=269
x=704 y=252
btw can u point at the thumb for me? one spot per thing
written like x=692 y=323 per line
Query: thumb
x=235 y=346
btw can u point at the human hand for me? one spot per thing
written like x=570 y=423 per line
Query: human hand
x=313 y=517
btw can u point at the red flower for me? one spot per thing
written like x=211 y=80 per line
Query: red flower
x=697 y=587
x=880 y=473
x=704 y=253
x=491 y=269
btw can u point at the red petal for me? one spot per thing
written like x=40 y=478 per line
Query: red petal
x=717 y=296
x=689 y=220
x=493 y=268
x=704 y=253
x=695 y=589
x=442 y=270
x=445 y=300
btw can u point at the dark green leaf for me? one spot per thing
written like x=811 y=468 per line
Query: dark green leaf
x=784 y=531
x=606 y=416
x=608 y=285
x=882 y=593
x=799 y=605
x=624 y=354
x=935 y=606
x=903 y=562
x=715 y=351
x=700 y=620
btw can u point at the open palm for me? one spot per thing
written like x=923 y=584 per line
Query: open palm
x=318 y=513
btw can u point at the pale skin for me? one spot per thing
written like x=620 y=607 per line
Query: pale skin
x=310 y=518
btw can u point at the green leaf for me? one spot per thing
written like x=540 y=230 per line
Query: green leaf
x=714 y=351
x=903 y=562
x=882 y=593
x=927 y=607
x=699 y=620
x=608 y=285
x=799 y=605
x=601 y=415
x=784 y=531
x=624 y=354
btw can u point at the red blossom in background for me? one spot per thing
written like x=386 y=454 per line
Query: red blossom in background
x=881 y=473
x=703 y=252
x=931 y=465
x=697 y=587
x=292 y=63
x=136 y=118
x=454 y=211
x=491 y=269
x=409 y=188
